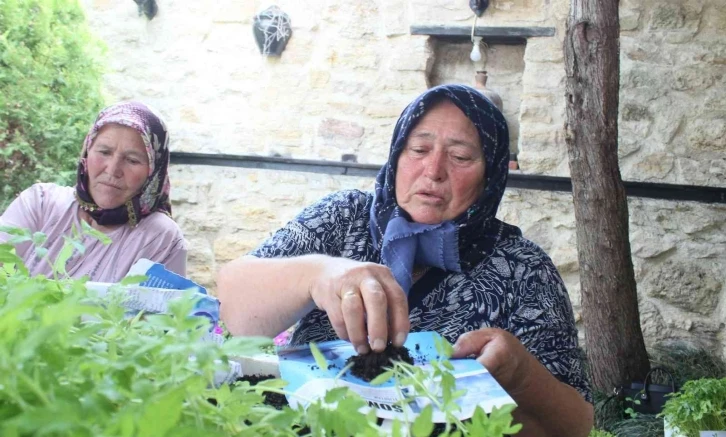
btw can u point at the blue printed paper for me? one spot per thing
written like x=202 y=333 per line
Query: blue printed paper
x=159 y=277
x=306 y=379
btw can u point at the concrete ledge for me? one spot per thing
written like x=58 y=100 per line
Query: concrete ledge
x=491 y=35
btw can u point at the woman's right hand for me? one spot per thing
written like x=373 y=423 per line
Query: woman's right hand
x=364 y=303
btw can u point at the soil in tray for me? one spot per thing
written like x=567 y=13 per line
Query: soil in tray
x=279 y=401
x=276 y=400
x=372 y=364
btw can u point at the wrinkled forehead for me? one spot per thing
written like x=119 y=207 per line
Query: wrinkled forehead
x=410 y=124
x=142 y=119
x=445 y=113
x=108 y=127
x=487 y=119
x=132 y=137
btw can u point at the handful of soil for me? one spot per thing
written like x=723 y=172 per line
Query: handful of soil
x=372 y=364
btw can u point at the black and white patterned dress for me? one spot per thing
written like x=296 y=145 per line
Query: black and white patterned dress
x=516 y=287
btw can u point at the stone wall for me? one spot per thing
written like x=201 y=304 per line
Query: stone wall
x=673 y=84
x=678 y=247
x=679 y=256
x=226 y=212
x=504 y=65
x=351 y=67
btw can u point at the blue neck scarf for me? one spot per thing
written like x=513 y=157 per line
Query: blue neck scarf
x=455 y=245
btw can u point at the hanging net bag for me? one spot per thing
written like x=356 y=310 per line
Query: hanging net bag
x=272 y=31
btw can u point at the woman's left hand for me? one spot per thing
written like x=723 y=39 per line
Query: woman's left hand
x=545 y=406
x=500 y=352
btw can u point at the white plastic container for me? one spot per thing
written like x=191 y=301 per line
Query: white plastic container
x=262 y=364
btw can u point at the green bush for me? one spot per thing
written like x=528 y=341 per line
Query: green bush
x=50 y=82
x=684 y=362
x=73 y=365
x=699 y=406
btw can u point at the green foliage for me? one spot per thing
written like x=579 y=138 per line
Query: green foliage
x=600 y=433
x=319 y=358
x=611 y=415
x=72 y=364
x=684 y=362
x=699 y=406
x=644 y=425
x=687 y=363
x=439 y=387
x=630 y=411
x=50 y=80
x=69 y=367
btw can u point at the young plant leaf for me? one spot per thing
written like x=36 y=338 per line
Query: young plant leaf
x=134 y=279
x=396 y=429
x=244 y=346
x=79 y=246
x=39 y=238
x=7 y=256
x=443 y=347
x=66 y=252
x=272 y=383
x=100 y=236
x=162 y=414
x=14 y=231
x=423 y=426
x=319 y=358
x=382 y=378
x=336 y=394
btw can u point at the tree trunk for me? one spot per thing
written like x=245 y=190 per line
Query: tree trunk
x=613 y=338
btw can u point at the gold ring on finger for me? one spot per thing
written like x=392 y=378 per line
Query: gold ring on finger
x=350 y=293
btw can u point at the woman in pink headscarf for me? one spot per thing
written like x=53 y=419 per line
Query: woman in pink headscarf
x=122 y=190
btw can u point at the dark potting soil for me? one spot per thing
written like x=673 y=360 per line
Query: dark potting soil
x=372 y=364
x=440 y=428
x=276 y=400
x=279 y=401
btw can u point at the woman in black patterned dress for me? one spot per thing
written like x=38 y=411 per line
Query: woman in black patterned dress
x=426 y=253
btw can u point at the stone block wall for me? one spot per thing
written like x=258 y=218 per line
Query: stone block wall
x=227 y=212
x=504 y=65
x=673 y=83
x=351 y=67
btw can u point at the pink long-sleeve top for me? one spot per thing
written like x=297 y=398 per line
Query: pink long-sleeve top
x=53 y=210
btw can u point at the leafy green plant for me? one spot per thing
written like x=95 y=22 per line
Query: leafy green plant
x=439 y=386
x=684 y=362
x=50 y=82
x=699 y=406
x=72 y=364
x=629 y=410
x=70 y=367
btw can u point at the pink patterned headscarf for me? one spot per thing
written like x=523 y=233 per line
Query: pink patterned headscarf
x=154 y=194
